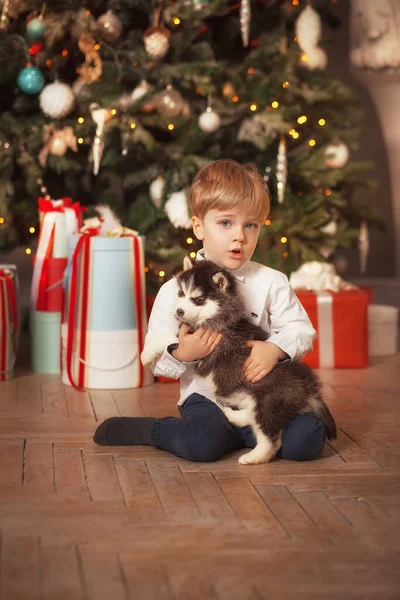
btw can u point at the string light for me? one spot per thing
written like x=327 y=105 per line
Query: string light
x=283 y=240
x=295 y=2
x=328 y=192
x=268 y=222
x=292 y=131
x=1 y=220
x=275 y=104
x=48 y=62
x=189 y=241
x=302 y=119
x=250 y=71
x=253 y=107
x=286 y=254
x=176 y=20
x=311 y=142
x=80 y=140
x=162 y=273
x=285 y=84
x=81 y=120
x=6 y=145
x=96 y=47
x=64 y=53
x=113 y=111
x=235 y=99
x=31 y=230
x=133 y=125
x=171 y=127
x=295 y=135
x=28 y=251
x=304 y=57
x=146 y=269
x=321 y=122
x=192 y=255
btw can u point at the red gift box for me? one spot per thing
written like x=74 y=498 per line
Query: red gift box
x=51 y=291
x=341 y=322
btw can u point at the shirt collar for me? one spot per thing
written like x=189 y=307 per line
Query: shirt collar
x=239 y=274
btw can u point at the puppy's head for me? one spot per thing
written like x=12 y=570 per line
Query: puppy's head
x=207 y=295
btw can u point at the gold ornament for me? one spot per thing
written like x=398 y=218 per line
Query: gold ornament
x=100 y=116
x=92 y=68
x=281 y=170
x=56 y=142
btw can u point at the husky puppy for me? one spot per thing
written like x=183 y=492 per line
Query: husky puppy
x=208 y=297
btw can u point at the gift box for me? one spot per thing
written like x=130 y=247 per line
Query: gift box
x=341 y=321
x=112 y=361
x=73 y=212
x=9 y=320
x=45 y=329
x=106 y=301
x=51 y=290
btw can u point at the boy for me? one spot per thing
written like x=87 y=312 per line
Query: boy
x=229 y=204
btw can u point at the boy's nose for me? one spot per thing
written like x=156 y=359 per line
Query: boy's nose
x=238 y=235
x=180 y=312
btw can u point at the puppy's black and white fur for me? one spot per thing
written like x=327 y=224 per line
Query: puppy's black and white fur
x=208 y=297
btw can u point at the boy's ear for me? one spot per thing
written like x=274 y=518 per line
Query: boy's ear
x=187 y=263
x=220 y=280
x=198 y=228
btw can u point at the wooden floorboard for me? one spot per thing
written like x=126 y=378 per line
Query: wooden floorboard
x=87 y=522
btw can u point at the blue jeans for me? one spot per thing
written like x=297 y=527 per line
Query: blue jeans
x=204 y=434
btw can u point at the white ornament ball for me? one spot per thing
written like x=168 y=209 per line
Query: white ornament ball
x=140 y=90
x=336 y=155
x=57 y=100
x=209 y=121
x=178 y=211
x=316 y=59
x=156 y=42
x=156 y=190
x=58 y=146
x=109 y=26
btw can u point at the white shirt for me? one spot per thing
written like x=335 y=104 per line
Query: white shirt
x=270 y=302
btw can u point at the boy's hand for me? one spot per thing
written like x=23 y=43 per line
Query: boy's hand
x=264 y=356
x=197 y=345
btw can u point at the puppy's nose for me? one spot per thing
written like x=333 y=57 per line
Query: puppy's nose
x=180 y=312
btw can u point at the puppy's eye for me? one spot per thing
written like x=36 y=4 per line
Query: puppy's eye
x=180 y=294
x=198 y=301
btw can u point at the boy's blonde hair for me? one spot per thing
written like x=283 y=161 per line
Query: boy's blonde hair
x=224 y=185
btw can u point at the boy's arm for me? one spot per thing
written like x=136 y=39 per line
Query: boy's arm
x=291 y=329
x=163 y=330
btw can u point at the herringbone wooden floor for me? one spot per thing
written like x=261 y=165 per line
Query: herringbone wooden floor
x=79 y=521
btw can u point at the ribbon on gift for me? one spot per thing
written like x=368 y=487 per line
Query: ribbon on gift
x=44 y=250
x=325 y=329
x=73 y=212
x=80 y=272
x=8 y=307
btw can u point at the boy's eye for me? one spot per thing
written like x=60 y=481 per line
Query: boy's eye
x=251 y=225
x=225 y=223
x=198 y=301
x=180 y=294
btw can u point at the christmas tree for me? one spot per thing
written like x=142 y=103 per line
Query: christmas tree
x=120 y=103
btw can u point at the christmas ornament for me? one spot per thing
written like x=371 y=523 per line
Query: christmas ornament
x=178 y=211
x=56 y=142
x=308 y=29
x=316 y=59
x=4 y=17
x=209 y=121
x=156 y=190
x=245 y=19
x=140 y=90
x=336 y=155
x=100 y=116
x=92 y=68
x=156 y=42
x=169 y=102
x=36 y=48
x=57 y=100
x=109 y=26
x=363 y=246
x=35 y=28
x=331 y=230
x=281 y=170
x=31 y=80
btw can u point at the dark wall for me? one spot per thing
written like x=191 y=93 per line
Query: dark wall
x=381 y=262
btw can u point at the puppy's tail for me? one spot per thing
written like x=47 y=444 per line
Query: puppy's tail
x=325 y=415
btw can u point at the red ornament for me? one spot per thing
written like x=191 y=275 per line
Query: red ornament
x=35 y=48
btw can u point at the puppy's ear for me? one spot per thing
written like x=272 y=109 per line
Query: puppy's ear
x=220 y=280
x=187 y=263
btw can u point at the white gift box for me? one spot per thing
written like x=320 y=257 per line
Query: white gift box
x=112 y=360
x=382 y=330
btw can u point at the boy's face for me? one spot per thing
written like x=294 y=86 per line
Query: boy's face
x=229 y=237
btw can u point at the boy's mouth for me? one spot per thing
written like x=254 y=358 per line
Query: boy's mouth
x=236 y=252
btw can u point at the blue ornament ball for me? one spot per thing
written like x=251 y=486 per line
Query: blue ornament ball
x=31 y=80
x=36 y=28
